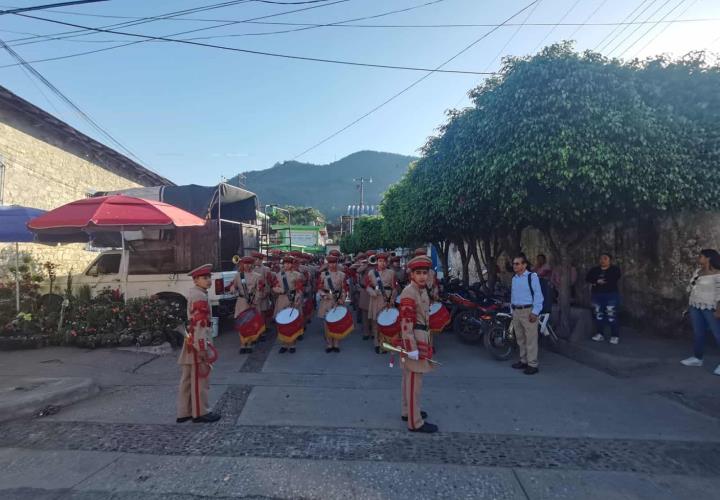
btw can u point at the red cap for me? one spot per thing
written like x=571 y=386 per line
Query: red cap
x=382 y=256
x=421 y=251
x=257 y=255
x=289 y=259
x=247 y=260
x=204 y=270
x=419 y=262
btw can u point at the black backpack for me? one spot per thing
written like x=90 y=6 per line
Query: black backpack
x=547 y=293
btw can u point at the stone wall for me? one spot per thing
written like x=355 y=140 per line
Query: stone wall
x=41 y=175
x=656 y=255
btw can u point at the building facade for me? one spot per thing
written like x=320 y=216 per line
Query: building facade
x=45 y=163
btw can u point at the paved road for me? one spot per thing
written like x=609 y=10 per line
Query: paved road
x=318 y=425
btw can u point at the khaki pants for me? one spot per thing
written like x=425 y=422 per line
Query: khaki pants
x=527 y=336
x=365 y=322
x=192 y=393
x=411 y=386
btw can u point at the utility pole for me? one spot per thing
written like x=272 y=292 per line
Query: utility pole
x=2 y=181
x=362 y=181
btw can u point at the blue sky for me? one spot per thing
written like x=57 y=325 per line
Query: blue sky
x=194 y=114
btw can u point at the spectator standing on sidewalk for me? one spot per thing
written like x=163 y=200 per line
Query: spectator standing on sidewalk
x=605 y=297
x=526 y=301
x=542 y=268
x=704 y=312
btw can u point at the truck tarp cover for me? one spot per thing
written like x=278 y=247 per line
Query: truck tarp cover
x=236 y=204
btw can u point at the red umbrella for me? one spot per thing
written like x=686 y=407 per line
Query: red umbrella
x=115 y=212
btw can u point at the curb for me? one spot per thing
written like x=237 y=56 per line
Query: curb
x=26 y=396
x=617 y=366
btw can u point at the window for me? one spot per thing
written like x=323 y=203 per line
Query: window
x=105 y=264
x=155 y=261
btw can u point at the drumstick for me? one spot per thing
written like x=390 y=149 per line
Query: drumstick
x=389 y=347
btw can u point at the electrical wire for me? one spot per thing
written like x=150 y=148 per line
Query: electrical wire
x=662 y=30
x=65 y=99
x=585 y=22
x=617 y=30
x=638 y=28
x=255 y=52
x=547 y=35
x=413 y=84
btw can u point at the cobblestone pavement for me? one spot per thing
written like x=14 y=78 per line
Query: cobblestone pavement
x=575 y=456
x=331 y=443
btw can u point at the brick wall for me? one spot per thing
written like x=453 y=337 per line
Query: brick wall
x=40 y=175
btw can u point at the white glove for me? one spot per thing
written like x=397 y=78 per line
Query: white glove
x=415 y=355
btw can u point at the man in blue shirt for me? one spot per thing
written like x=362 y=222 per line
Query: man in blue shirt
x=526 y=303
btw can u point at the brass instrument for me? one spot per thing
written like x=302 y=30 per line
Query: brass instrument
x=372 y=260
x=235 y=259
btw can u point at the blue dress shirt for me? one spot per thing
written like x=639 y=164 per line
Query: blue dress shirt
x=521 y=295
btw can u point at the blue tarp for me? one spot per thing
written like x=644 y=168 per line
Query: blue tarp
x=13 y=223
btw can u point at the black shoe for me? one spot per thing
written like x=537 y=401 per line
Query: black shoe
x=262 y=339
x=249 y=350
x=207 y=418
x=283 y=350
x=426 y=428
x=377 y=349
x=292 y=350
x=519 y=365
x=329 y=349
x=530 y=370
x=180 y=420
x=422 y=414
x=336 y=349
x=301 y=337
x=366 y=337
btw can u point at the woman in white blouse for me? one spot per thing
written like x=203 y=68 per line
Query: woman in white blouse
x=704 y=301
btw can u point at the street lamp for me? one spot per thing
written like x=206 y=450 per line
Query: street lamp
x=362 y=181
x=274 y=208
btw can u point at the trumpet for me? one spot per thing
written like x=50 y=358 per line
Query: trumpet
x=393 y=254
x=372 y=260
x=235 y=259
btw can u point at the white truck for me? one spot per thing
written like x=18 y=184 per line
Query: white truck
x=156 y=262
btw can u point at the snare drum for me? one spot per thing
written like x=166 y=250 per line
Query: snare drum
x=338 y=323
x=388 y=322
x=250 y=325
x=439 y=317
x=289 y=324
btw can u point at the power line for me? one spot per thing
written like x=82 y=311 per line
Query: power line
x=17 y=10
x=567 y=13
x=617 y=30
x=664 y=29
x=652 y=27
x=336 y=23
x=256 y=52
x=64 y=98
x=638 y=28
x=416 y=82
x=585 y=22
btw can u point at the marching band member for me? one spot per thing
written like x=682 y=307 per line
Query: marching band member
x=288 y=286
x=333 y=289
x=250 y=287
x=432 y=282
x=197 y=354
x=363 y=297
x=381 y=286
x=414 y=323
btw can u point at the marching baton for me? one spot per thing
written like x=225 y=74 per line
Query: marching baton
x=389 y=347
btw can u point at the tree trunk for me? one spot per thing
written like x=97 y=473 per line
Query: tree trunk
x=514 y=242
x=562 y=243
x=442 y=248
x=472 y=247
x=490 y=256
x=465 y=261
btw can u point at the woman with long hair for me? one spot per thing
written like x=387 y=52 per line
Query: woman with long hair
x=704 y=312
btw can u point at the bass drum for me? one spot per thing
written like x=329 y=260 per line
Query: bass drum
x=338 y=322
x=250 y=324
x=289 y=324
x=439 y=317
x=388 y=322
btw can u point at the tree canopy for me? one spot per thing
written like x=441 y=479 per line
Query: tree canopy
x=564 y=142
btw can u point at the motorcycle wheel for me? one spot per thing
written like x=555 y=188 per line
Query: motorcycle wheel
x=498 y=343
x=468 y=333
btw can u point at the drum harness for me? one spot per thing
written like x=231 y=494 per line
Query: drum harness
x=381 y=288
x=286 y=289
x=335 y=293
x=248 y=296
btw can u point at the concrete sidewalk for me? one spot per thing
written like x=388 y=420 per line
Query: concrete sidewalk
x=26 y=396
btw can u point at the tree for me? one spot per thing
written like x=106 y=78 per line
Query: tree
x=302 y=216
x=577 y=142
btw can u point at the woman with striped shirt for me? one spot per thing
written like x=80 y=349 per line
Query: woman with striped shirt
x=704 y=300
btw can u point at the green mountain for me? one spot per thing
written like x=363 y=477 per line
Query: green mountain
x=329 y=188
